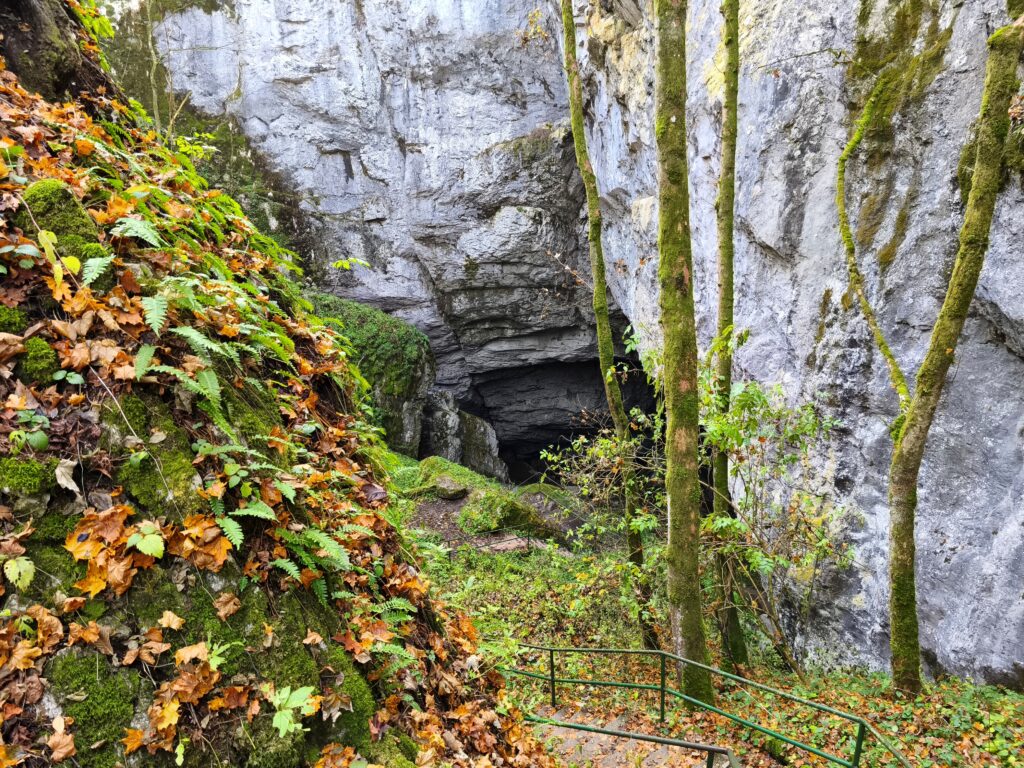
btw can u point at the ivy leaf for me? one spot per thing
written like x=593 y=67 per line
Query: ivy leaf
x=139 y=229
x=20 y=571
x=73 y=263
x=155 y=309
x=38 y=441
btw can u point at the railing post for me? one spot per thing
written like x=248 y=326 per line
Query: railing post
x=859 y=746
x=551 y=662
x=662 y=691
x=711 y=760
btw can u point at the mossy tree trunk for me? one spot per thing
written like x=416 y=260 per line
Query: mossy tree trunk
x=993 y=126
x=917 y=409
x=605 y=340
x=675 y=274
x=734 y=647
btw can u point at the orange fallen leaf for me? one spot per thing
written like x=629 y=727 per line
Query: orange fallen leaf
x=171 y=620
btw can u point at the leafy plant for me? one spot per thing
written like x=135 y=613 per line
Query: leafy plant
x=291 y=707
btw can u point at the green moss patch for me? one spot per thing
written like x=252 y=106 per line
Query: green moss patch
x=38 y=363
x=12 y=320
x=100 y=699
x=51 y=205
x=165 y=479
x=26 y=477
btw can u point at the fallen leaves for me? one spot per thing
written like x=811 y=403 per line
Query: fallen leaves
x=227 y=605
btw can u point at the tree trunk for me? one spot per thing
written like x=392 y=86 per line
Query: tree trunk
x=41 y=46
x=993 y=126
x=675 y=275
x=605 y=341
x=734 y=647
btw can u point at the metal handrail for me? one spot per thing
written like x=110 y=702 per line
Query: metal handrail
x=710 y=749
x=864 y=728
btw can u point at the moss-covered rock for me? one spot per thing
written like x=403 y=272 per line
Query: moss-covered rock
x=394 y=750
x=395 y=359
x=26 y=477
x=12 y=320
x=351 y=728
x=100 y=698
x=38 y=363
x=51 y=205
x=163 y=480
x=254 y=414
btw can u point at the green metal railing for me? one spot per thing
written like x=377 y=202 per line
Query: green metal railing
x=864 y=729
x=710 y=749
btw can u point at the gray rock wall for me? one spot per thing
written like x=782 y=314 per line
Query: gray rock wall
x=795 y=119
x=429 y=142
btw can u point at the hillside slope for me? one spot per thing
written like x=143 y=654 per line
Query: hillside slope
x=197 y=563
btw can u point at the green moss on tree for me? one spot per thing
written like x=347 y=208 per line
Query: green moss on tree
x=675 y=276
x=26 y=477
x=100 y=699
x=12 y=320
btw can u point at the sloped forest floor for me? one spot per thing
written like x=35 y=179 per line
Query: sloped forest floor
x=199 y=564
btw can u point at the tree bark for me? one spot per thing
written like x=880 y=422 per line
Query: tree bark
x=675 y=275
x=605 y=340
x=993 y=126
x=41 y=46
x=734 y=648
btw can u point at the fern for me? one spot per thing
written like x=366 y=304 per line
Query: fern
x=256 y=509
x=338 y=556
x=139 y=229
x=288 y=567
x=143 y=358
x=319 y=588
x=155 y=310
x=205 y=347
x=232 y=531
x=94 y=268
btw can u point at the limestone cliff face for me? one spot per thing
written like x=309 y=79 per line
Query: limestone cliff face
x=796 y=99
x=428 y=140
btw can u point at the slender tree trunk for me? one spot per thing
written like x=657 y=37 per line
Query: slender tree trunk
x=605 y=341
x=993 y=126
x=734 y=648
x=675 y=275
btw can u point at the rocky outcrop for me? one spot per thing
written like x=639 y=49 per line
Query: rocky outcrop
x=797 y=101
x=427 y=140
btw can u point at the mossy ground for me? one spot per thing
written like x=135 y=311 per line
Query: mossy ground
x=12 y=320
x=101 y=700
x=38 y=364
x=162 y=479
x=26 y=477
